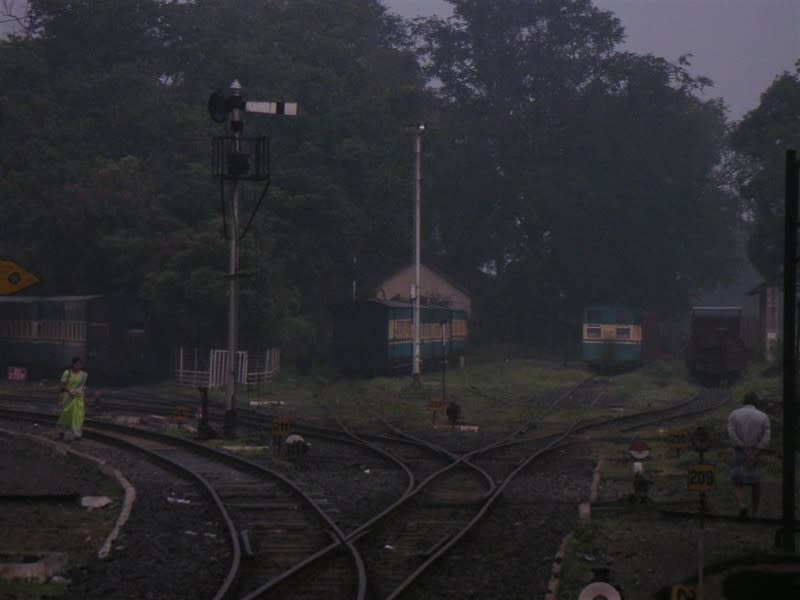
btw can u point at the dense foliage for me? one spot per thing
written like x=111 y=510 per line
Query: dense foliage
x=592 y=170
x=558 y=170
x=761 y=140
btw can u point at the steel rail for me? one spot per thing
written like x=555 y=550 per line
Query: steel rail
x=233 y=536
x=348 y=539
x=441 y=450
x=241 y=463
x=364 y=528
x=556 y=441
x=487 y=504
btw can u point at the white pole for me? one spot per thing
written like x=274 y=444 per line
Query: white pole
x=417 y=221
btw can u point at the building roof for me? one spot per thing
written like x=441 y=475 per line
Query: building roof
x=33 y=299
x=447 y=278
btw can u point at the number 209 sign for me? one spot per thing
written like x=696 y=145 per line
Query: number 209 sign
x=701 y=478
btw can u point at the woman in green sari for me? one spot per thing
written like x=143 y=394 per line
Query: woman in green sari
x=73 y=382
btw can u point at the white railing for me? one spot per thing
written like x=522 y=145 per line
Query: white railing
x=220 y=366
x=267 y=370
x=45 y=329
x=192 y=367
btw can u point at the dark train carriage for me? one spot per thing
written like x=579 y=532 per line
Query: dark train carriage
x=374 y=336
x=716 y=349
x=43 y=333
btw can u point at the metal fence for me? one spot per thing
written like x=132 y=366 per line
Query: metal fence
x=43 y=329
x=208 y=368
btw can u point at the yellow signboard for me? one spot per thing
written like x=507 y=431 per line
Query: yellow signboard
x=183 y=414
x=684 y=592
x=436 y=404
x=281 y=427
x=14 y=278
x=678 y=439
x=701 y=478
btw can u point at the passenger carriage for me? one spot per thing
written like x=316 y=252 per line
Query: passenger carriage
x=43 y=333
x=377 y=336
x=612 y=336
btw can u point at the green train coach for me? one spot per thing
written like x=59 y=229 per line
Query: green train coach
x=377 y=337
x=612 y=337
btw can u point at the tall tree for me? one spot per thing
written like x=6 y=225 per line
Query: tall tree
x=586 y=174
x=762 y=138
x=341 y=168
x=118 y=93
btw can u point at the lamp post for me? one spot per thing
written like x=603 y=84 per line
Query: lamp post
x=415 y=358
x=443 y=325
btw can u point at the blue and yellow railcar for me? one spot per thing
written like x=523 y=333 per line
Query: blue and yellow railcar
x=377 y=337
x=111 y=334
x=612 y=337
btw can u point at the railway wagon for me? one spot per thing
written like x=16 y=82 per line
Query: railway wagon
x=376 y=336
x=43 y=333
x=715 y=350
x=612 y=337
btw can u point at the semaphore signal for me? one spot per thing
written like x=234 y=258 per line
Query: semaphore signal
x=237 y=158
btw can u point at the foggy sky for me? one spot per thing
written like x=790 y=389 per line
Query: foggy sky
x=742 y=45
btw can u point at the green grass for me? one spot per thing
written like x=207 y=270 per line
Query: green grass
x=496 y=396
x=585 y=543
x=664 y=462
x=655 y=384
x=21 y=590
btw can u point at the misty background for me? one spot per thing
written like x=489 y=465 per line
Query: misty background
x=569 y=159
x=742 y=45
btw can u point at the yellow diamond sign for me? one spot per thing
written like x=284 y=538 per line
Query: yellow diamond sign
x=14 y=278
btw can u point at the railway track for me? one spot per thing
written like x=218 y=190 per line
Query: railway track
x=433 y=523
x=273 y=527
x=439 y=506
x=402 y=543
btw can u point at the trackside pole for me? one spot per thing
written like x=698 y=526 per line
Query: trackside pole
x=701 y=541
x=232 y=158
x=236 y=126
x=701 y=479
x=233 y=315
x=415 y=358
x=789 y=351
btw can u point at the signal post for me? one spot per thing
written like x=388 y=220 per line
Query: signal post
x=238 y=159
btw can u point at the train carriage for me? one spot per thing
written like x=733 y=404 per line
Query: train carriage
x=43 y=333
x=376 y=336
x=612 y=337
x=716 y=350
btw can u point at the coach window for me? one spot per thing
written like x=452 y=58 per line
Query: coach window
x=623 y=333
x=593 y=332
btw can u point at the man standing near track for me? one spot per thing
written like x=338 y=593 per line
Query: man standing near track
x=749 y=434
